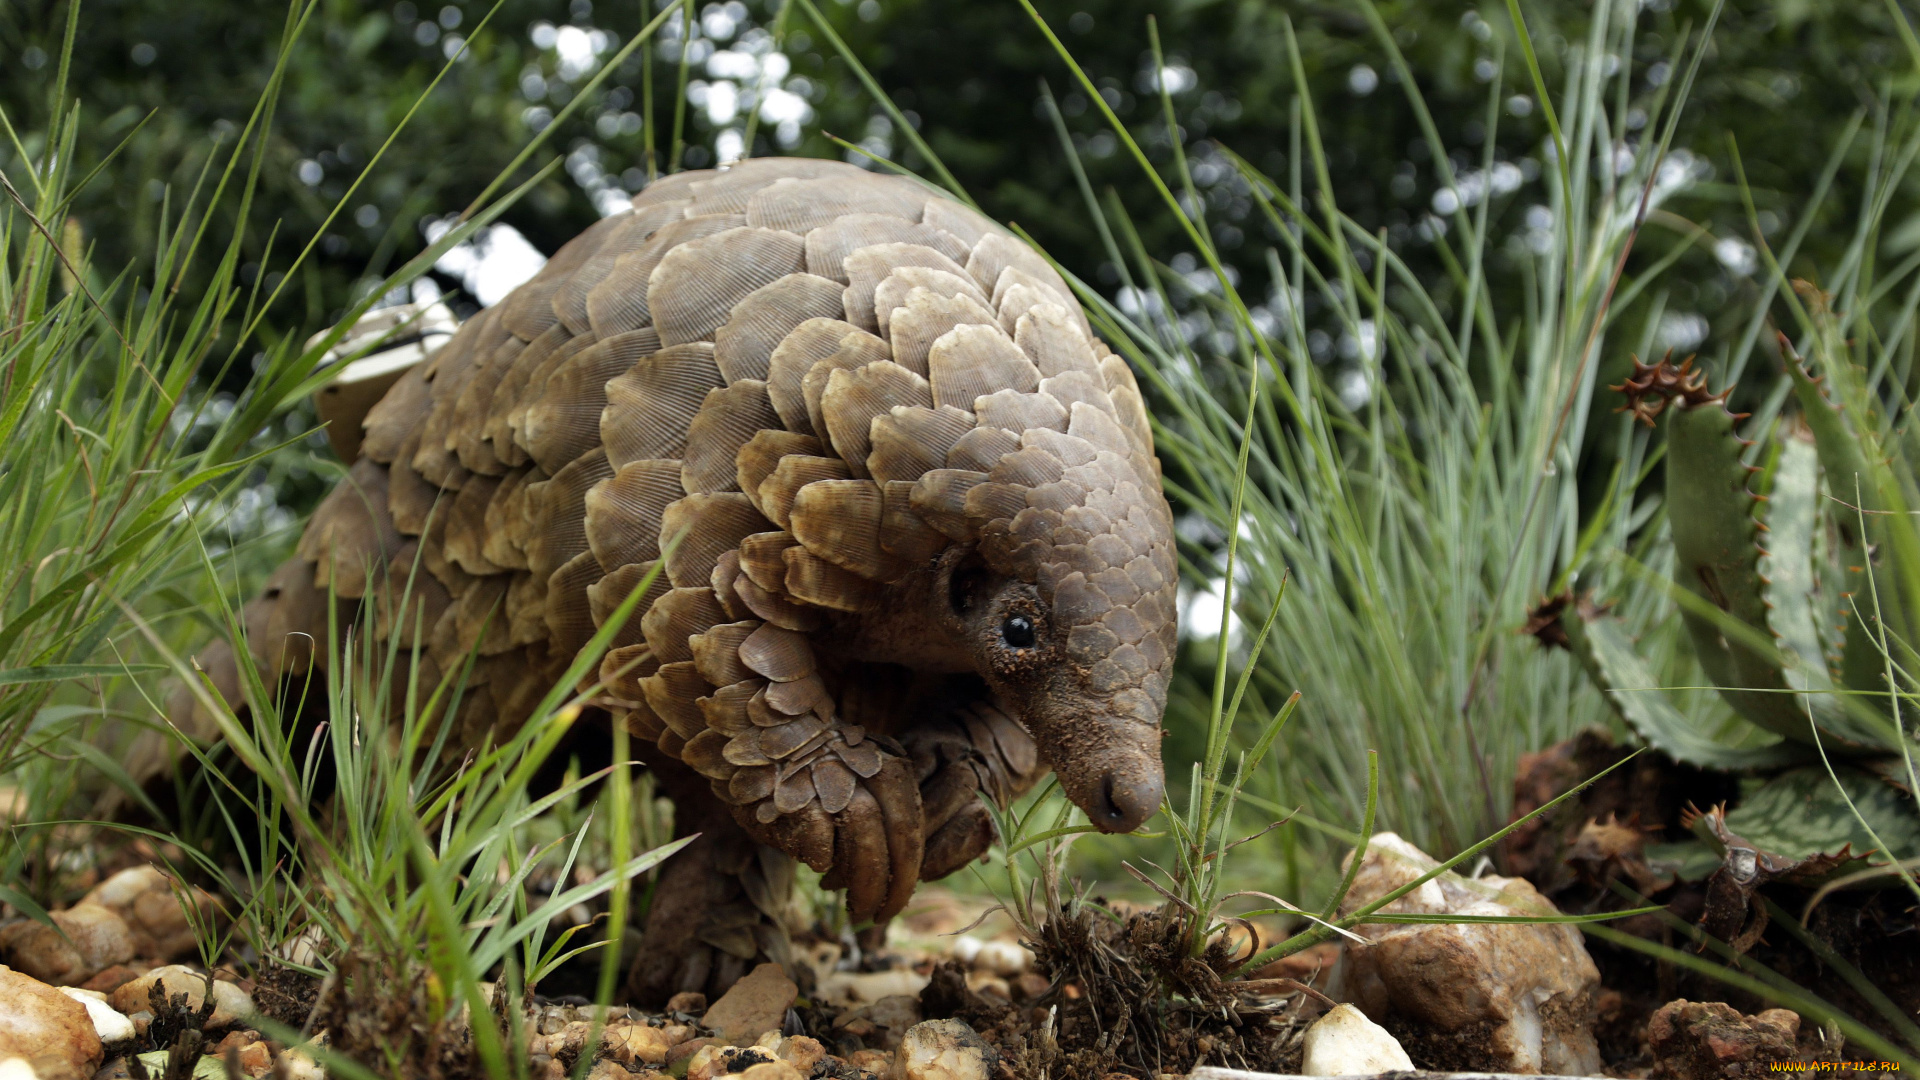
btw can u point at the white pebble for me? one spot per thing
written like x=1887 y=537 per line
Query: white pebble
x=17 y=1069
x=965 y=948
x=1345 y=1043
x=1003 y=958
x=109 y=1023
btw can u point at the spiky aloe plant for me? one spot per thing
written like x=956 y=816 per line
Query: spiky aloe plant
x=1800 y=610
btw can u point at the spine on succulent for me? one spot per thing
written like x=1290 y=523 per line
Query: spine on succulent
x=1870 y=593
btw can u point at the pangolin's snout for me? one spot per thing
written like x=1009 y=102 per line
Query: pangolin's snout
x=1125 y=799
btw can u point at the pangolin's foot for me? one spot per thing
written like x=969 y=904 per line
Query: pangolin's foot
x=721 y=907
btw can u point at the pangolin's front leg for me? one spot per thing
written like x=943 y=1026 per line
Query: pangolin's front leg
x=965 y=747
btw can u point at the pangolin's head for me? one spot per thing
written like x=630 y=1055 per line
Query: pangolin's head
x=1062 y=587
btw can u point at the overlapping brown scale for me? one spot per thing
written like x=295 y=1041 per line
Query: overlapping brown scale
x=810 y=342
x=480 y=616
x=565 y=421
x=619 y=302
x=794 y=472
x=927 y=316
x=464 y=540
x=527 y=609
x=528 y=310
x=1128 y=406
x=621 y=669
x=497 y=545
x=963 y=223
x=407 y=600
x=410 y=499
x=909 y=441
x=623 y=511
x=1028 y=467
x=829 y=245
x=822 y=584
x=867 y=267
x=893 y=293
x=433 y=550
x=725 y=709
x=1099 y=428
x=569 y=610
x=743 y=346
x=800 y=206
x=705 y=526
x=537 y=381
x=470 y=445
x=649 y=408
x=726 y=570
x=834 y=782
x=856 y=351
x=981 y=448
x=351 y=533
x=695 y=287
x=704 y=754
x=511 y=392
x=605 y=596
x=971 y=361
x=295 y=624
x=396 y=416
x=940 y=497
x=729 y=417
x=1077 y=386
x=456 y=364
x=557 y=511
x=904 y=534
x=1048 y=289
x=995 y=253
x=1054 y=342
x=760 y=455
x=1015 y=411
x=634 y=230
x=750 y=785
x=672 y=692
x=839 y=520
x=676 y=617
x=732 y=188
x=854 y=398
x=788 y=739
x=760 y=558
x=799 y=696
x=777 y=654
x=772 y=607
x=716 y=653
x=672 y=187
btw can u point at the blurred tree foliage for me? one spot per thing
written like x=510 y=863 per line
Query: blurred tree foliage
x=177 y=80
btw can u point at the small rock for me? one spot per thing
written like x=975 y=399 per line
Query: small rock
x=96 y=937
x=109 y=1023
x=712 y=1062
x=49 y=1030
x=757 y=1002
x=1471 y=996
x=230 y=1003
x=801 y=1052
x=1003 y=958
x=872 y=1062
x=1030 y=985
x=14 y=1068
x=882 y=1024
x=298 y=1065
x=629 y=1043
x=1711 y=1040
x=676 y=1034
x=772 y=1070
x=146 y=897
x=943 y=1050
x=113 y=978
x=856 y=987
x=682 y=1051
x=1345 y=1043
x=687 y=1001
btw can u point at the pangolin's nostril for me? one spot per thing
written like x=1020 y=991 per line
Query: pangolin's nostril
x=1125 y=801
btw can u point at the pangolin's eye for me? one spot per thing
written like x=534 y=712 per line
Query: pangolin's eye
x=1017 y=631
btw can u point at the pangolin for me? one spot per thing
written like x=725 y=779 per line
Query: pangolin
x=909 y=527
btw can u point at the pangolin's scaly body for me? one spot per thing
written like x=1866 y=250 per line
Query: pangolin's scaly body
x=905 y=507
